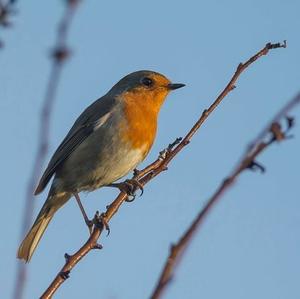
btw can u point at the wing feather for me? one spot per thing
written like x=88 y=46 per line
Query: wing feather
x=91 y=119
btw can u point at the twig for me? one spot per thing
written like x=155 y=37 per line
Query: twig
x=147 y=174
x=7 y=10
x=59 y=55
x=274 y=132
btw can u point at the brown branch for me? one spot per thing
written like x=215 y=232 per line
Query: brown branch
x=273 y=133
x=59 y=56
x=144 y=176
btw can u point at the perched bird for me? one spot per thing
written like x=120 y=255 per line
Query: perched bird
x=107 y=141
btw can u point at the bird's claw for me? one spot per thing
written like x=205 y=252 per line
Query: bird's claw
x=129 y=187
x=100 y=221
x=105 y=223
x=132 y=185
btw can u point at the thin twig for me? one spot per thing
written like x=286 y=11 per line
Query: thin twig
x=7 y=10
x=59 y=55
x=145 y=175
x=273 y=133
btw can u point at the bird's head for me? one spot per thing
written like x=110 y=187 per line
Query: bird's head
x=146 y=88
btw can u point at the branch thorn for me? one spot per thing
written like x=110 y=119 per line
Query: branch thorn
x=64 y=275
x=240 y=66
x=290 y=122
x=171 y=145
x=256 y=166
x=205 y=113
x=60 y=54
x=162 y=154
x=136 y=172
x=277 y=132
x=97 y=246
x=67 y=257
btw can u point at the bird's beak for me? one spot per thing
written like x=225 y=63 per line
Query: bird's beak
x=172 y=86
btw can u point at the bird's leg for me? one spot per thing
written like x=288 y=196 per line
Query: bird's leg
x=88 y=222
x=129 y=187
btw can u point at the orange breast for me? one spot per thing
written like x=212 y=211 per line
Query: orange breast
x=139 y=127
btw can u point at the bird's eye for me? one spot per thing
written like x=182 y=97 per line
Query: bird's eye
x=147 y=82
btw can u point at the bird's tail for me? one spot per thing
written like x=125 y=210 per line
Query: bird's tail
x=30 y=242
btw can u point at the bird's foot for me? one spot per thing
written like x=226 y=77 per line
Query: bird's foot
x=129 y=187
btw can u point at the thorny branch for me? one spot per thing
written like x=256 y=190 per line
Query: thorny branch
x=145 y=175
x=59 y=55
x=273 y=133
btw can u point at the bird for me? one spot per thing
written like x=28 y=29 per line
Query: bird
x=106 y=142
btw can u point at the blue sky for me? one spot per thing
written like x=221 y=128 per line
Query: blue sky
x=249 y=246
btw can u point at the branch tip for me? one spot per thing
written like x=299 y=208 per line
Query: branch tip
x=270 y=46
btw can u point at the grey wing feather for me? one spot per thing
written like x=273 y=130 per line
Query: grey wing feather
x=81 y=129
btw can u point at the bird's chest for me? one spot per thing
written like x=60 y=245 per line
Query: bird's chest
x=138 y=126
x=120 y=145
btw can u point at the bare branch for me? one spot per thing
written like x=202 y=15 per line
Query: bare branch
x=59 y=55
x=147 y=174
x=273 y=133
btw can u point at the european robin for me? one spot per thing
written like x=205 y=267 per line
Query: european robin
x=107 y=141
